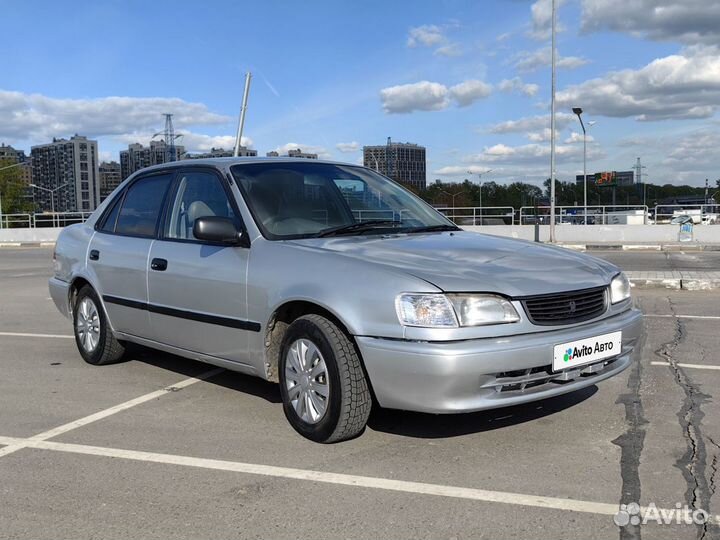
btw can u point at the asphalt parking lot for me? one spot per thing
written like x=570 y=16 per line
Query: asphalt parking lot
x=163 y=447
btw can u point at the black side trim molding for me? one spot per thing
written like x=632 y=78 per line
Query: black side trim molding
x=183 y=314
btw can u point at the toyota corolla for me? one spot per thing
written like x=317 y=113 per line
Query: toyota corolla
x=340 y=285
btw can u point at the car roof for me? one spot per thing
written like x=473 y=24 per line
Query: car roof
x=225 y=162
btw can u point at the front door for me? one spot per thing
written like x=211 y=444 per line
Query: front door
x=198 y=291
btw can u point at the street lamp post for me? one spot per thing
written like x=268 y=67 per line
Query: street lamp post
x=552 y=123
x=578 y=111
x=453 y=199
x=480 y=174
x=52 y=195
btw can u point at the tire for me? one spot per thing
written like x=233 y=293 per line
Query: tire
x=93 y=337
x=348 y=401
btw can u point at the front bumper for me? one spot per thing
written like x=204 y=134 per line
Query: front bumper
x=59 y=292
x=478 y=374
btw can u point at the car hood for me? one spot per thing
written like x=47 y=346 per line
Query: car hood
x=472 y=262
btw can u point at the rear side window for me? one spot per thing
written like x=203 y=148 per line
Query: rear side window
x=142 y=206
x=108 y=224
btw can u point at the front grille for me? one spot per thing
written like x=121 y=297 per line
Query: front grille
x=566 y=308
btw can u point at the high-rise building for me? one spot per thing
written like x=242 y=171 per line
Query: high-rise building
x=403 y=162
x=70 y=169
x=11 y=156
x=138 y=157
x=297 y=152
x=221 y=152
x=110 y=178
x=293 y=152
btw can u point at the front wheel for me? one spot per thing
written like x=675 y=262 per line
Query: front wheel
x=325 y=395
x=93 y=336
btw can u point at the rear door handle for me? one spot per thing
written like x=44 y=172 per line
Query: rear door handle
x=158 y=264
x=94 y=255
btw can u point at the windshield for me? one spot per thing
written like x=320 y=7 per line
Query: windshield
x=299 y=200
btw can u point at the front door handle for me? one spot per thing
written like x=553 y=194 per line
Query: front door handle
x=158 y=264
x=94 y=255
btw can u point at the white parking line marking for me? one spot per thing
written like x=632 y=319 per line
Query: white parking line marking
x=107 y=412
x=691 y=366
x=352 y=480
x=24 y=334
x=652 y=316
x=327 y=477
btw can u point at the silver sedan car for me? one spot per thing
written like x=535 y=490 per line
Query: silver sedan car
x=340 y=285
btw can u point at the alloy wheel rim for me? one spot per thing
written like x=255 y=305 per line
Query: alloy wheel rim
x=306 y=380
x=88 y=325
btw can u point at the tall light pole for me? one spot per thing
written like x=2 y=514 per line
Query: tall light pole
x=480 y=174
x=453 y=198
x=241 y=121
x=552 y=126
x=52 y=195
x=578 y=111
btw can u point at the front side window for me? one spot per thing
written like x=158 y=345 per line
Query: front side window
x=300 y=200
x=199 y=194
x=142 y=206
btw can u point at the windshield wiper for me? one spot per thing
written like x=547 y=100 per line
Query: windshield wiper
x=434 y=228
x=356 y=227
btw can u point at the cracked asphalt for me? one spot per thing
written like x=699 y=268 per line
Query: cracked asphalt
x=180 y=463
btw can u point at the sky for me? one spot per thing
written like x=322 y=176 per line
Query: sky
x=469 y=80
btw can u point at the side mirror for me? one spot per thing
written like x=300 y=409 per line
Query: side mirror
x=218 y=230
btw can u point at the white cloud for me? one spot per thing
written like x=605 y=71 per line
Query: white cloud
x=517 y=85
x=38 y=118
x=419 y=96
x=460 y=170
x=528 y=61
x=431 y=96
x=576 y=137
x=541 y=12
x=321 y=151
x=193 y=142
x=532 y=123
x=684 y=21
x=684 y=85
x=542 y=135
x=432 y=35
x=697 y=149
x=449 y=50
x=529 y=153
x=468 y=92
x=426 y=35
x=346 y=147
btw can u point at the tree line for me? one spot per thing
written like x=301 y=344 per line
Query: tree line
x=517 y=194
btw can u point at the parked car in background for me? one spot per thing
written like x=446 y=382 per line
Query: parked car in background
x=340 y=285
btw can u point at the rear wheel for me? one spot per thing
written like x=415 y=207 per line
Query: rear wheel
x=322 y=383
x=93 y=336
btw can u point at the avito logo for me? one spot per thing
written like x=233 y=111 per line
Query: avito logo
x=585 y=350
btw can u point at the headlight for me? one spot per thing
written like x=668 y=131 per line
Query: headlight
x=477 y=310
x=451 y=311
x=427 y=310
x=619 y=289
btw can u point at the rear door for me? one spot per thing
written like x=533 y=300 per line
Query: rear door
x=119 y=251
x=198 y=291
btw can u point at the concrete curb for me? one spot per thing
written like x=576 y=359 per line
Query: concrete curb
x=678 y=284
x=642 y=247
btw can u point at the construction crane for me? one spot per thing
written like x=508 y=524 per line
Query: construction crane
x=169 y=137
